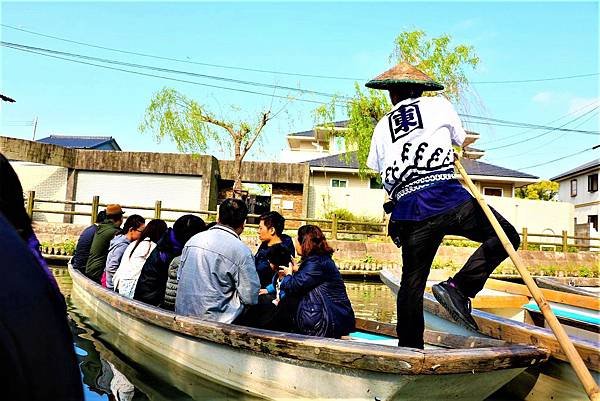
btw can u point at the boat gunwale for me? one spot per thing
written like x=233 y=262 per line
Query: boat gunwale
x=337 y=352
x=553 y=284
x=510 y=330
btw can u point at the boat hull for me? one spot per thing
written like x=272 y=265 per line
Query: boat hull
x=554 y=380
x=271 y=376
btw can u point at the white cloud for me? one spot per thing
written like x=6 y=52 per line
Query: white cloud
x=582 y=104
x=543 y=97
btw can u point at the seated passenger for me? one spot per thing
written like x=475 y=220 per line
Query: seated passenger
x=134 y=257
x=132 y=229
x=84 y=243
x=324 y=308
x=99 y=249
x=270 y=232
x=152 y=282
x=173 y=279
x=278 y=257
x=217 y=277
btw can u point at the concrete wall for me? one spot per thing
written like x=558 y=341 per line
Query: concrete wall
x=48 y=182
x=540 y=217
x=357 y=197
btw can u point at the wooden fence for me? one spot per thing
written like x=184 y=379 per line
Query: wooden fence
x=335 y=227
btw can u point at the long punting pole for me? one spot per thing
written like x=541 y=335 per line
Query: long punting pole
x=584 y=375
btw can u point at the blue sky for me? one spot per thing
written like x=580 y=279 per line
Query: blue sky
x=515 y=41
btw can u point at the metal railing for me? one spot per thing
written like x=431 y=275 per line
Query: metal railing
x=335 y=226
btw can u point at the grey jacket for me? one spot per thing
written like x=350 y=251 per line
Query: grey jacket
x=172 y=282
x=115 y=253
x=217 y=276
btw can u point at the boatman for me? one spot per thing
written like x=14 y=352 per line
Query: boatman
x=412 y=150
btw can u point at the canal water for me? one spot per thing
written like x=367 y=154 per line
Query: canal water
x=109 y=374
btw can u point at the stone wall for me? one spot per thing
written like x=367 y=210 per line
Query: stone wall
x=387 y=254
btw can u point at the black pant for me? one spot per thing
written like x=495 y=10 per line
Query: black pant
x=420 y=241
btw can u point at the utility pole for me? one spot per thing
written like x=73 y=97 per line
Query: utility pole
x=34 y=127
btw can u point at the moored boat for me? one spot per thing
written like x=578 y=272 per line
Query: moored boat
x=587 y=286
x=277 y=365
x=555 y=380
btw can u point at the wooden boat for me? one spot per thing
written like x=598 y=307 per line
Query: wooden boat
x=555 y=380
x=586 y=286
x=277 y=365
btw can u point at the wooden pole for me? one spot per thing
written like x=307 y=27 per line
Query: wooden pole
x=582 y=372
x=30 y=203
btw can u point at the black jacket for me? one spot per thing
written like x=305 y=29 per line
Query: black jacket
x=152 y=283
x=265 y=274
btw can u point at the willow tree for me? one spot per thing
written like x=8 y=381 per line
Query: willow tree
x=192 y=127
x=436 y=57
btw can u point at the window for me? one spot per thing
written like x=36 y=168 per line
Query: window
x=374 y=183
x=492 y=191
x=593 y=183
x=593 y=219
x=573 y=187
x=336 y=183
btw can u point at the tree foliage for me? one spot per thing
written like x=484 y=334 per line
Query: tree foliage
x=192 y=127
x=543 y=190
x=434 y=56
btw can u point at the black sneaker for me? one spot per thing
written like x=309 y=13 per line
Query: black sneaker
x=455 y=303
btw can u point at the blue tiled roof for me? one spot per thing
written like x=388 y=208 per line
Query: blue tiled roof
x=473 y=167
x=81 y=142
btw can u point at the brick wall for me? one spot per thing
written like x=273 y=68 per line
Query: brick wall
x=287 y=200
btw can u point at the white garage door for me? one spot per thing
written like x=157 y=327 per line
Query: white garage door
x=134 y=189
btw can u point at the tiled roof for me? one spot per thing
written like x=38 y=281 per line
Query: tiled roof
x=473 y=167
x=311 y=133
x=79 y=142
x=583 y=167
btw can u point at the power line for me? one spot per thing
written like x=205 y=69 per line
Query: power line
x=54 y=53
x=273 y=71
x=506 y=123
x=519 y=81
x=547 y=132
x=20 y=47
x=173 y=79
x=180 y=60
x=560 y=158
x=531 y=129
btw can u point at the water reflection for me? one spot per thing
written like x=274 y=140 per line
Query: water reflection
x=114 y=369
x=372 y=300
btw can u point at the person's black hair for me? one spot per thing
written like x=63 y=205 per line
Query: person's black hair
x=211 y=224
x=101 y=216
x=134 y=222
x=233 y=212
x=153 y=230
x=275 y=220
x=12 y=202
x=187 y=226
x=279 y=255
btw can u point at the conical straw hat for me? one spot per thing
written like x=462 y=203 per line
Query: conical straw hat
x=403 y=74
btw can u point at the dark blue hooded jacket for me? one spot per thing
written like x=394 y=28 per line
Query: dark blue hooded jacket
x=324 y=308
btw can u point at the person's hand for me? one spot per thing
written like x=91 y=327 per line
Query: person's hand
x=263 y=291
x=295 y=266
x=288 y=270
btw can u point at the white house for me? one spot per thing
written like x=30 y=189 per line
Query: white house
x=579 y=186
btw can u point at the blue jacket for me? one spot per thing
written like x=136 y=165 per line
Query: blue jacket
x=82 y=250
x=324 y=308
x=265 y=274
